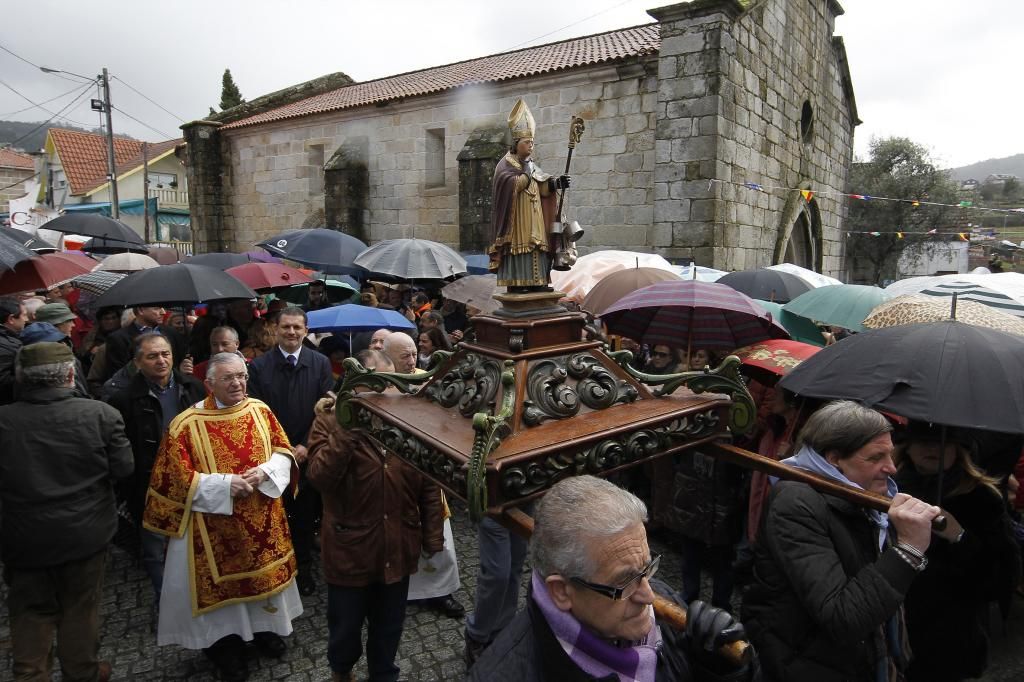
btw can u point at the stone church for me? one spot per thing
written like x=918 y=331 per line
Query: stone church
x=681 y=115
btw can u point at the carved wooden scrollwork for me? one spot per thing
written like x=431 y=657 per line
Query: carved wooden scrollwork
x=471 y=385
x=556 y=388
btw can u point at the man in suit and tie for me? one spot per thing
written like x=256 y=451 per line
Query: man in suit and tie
x=290 y=379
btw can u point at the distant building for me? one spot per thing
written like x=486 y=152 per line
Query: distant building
x=969 y=185
x=74 y=178
x=999 y=178
x=15 y=169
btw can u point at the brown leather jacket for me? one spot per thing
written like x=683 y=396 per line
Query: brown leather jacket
x=379 y=512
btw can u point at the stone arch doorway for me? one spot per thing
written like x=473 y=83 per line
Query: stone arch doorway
x=804 y=245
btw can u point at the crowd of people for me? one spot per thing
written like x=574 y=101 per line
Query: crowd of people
x=215 y=435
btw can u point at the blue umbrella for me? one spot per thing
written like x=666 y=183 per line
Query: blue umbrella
x=351 y=318
x=477 y=263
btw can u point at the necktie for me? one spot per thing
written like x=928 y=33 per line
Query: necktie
x=292 y=360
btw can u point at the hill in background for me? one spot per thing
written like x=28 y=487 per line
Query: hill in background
x=1012 y=165
x=23 y=135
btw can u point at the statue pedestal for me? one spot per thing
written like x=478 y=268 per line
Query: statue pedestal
x=532 y=304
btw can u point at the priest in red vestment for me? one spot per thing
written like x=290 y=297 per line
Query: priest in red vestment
x=215 y=491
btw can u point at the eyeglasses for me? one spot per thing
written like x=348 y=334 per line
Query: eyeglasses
x=628 y=589
x=241 y=377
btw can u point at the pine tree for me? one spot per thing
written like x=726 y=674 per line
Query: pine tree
x=230 y=96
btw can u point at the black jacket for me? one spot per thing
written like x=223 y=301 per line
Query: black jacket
x=9 y=346
x=291 y=392
x=143 y=422
x=118 y=348
x=948 y=605
x=707 y=500
x=58 y=457
x=822 y=591
x=527 y=651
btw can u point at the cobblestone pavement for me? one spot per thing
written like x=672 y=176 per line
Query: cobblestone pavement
x=431 y=646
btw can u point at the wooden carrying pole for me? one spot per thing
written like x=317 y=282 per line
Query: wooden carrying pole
x=767 y=465
x=667 y=610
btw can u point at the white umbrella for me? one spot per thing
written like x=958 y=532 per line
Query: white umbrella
x=703 y=274
x=815 y=279
x=475 y=290
x=127 y=262
x=592 y=268
x=1002 y=290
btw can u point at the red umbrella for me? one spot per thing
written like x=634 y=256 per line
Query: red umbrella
x=45 y=272
x=774 y=358
x=692 y=313
x=267 y=275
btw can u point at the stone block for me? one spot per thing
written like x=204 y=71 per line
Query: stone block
x=631 y=197
x=613 y=145
x=639 y=215
x=704 y=210
x=685 y=43
x=693 y=149
x=692 y=235
x=660 y=234
x=625 y=163
x=636 y=123
x=671 y=211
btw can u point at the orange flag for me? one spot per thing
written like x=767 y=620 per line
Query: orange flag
x=807 y=194
x=899 y=235
x=963 y=237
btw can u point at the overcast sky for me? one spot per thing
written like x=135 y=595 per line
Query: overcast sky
x=945 y=73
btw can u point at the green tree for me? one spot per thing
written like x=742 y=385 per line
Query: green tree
x=897 y=168
x=1011 y=188
x=230 y=95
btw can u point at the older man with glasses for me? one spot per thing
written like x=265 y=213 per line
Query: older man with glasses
x=216 y=492
x=589 y=613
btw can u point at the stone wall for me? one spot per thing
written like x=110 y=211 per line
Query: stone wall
x=273 y=181
x=12 y=176
x=734 y=87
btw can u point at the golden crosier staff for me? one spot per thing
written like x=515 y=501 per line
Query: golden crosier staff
x=567 y=235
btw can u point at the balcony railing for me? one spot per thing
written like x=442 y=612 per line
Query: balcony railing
x=170 y=197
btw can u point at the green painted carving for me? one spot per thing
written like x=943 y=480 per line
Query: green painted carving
x=357 y=376
x=723 y=379
x=490 y=429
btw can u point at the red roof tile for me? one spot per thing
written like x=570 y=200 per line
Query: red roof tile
x=567 y=54
x=12 y=159
x=84 y=156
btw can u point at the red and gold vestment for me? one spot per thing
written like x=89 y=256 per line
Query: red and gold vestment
x=243 y=556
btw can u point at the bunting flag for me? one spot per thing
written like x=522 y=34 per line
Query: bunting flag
x=964 y=237
x=810 y=194
x=935 y=231
x=875 y=234
x=899 y=235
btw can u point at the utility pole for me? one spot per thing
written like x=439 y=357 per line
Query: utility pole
x=115 y=208
x=145 y=191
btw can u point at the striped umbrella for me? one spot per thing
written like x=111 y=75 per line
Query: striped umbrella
x=97 y=281
x=692 y=314
x=971 y=291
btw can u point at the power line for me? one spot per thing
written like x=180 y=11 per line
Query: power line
x=34 y=175
x=36 y=104
x=45 y=101
x=84 y=92
x=575 y=23
x=156 y=104
x=158 y=132
x=18 y=56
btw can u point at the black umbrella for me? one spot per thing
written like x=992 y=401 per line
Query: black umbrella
x=31 y=241
x=12 y=251
x=173 y=285
x=221 y=261
x=947 y=373
x=111 y=246
x=94 y=225
x=328 y=251
x=767 y=285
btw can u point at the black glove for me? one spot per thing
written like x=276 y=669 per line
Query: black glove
x=563 y=182
x=708 y=628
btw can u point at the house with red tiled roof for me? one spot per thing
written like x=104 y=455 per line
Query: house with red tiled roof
x=75 y=174
x=687 y=120
x=16 y=169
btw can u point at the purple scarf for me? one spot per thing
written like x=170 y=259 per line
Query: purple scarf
x=592 y=654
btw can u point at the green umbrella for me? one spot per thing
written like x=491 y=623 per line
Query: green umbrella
x=799 y=328
x=337 y=292
x=842 y=305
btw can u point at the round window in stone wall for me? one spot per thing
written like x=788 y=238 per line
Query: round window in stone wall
x=806 y=121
